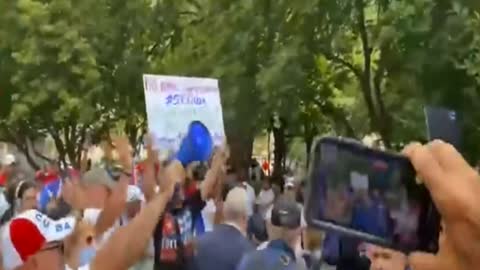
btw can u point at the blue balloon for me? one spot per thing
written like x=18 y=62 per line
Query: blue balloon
x=197 y=144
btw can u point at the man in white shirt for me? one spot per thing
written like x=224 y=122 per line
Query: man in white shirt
x=265 y=198
x=98 y=184
x=208 y=215
x=250 y=198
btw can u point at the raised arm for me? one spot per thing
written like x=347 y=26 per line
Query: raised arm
x=213 y=175
x=127 y=245
x=114 y=206
x=149 y=182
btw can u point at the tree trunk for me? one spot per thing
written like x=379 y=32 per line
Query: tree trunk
x=309 y=132
x=241 y=146
x=308 y=147
x=372 y=95
x=279 y=151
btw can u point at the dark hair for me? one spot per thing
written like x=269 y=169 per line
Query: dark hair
x=61 y=210
x=22 y=187
x=199 y=171
x=13 y=192
x=16 y=189
x=257 y=228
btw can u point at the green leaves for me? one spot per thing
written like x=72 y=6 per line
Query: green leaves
x=346 y=67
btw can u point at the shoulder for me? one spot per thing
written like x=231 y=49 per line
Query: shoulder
x=253 y=260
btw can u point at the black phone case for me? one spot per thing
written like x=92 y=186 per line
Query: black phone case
x=351 y=233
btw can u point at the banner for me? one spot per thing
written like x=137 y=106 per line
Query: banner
x=173 y=102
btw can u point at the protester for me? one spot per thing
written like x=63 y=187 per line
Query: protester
x=106 y=203
x=49 y=193
x=104 y=200
x=203 y=220
x=80 y=246
x=290 y=193
x=118 y=224
x=7 y=168
x=250 y=192
x=174 y=234
x=257 y=229
x=275 y=232
x=51 y=183
x=23 y=197
x=385 y=259
x=265 y=197
x=135 y=201
x=227 y=243
x=255 y=171
x=50 y=173
x=34 y=241
x=280 y=252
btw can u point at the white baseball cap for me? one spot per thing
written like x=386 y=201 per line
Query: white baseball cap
x=27 y=234
x=8 y=160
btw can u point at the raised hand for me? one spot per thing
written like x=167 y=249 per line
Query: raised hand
x=219 y=158
x=74 y=194
x=455 y=188
x=149 y=182
x=124 y=150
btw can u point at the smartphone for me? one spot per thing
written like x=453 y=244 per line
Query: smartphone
x=443 y=124
x=365 y=194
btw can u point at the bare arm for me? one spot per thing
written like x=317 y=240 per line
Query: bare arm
x=213 y=175
x=114 y=207
x=128 y=243
x=149 y=182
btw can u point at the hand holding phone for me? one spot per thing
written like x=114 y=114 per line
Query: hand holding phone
x=381 y=201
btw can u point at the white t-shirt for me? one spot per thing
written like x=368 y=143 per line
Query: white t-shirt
x=250 y=198
x=265 y=200
x=91 y=215
x=208 y=215
x=85 y=267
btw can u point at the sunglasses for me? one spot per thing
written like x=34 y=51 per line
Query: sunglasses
x=54 y=245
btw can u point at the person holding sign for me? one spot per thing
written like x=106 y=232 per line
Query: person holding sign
x=174 y=234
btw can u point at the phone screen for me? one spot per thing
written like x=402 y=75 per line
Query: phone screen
x=367 y=194
x=443 y=124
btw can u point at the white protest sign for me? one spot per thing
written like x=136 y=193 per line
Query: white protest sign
x=173 y=102
x=358 y=181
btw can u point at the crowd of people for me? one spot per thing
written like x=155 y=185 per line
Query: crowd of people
x=203 y=215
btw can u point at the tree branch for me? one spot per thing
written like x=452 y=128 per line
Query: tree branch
x=339 y=60
x=337 y=115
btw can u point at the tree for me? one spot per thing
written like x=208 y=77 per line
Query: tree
x=69 y=66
